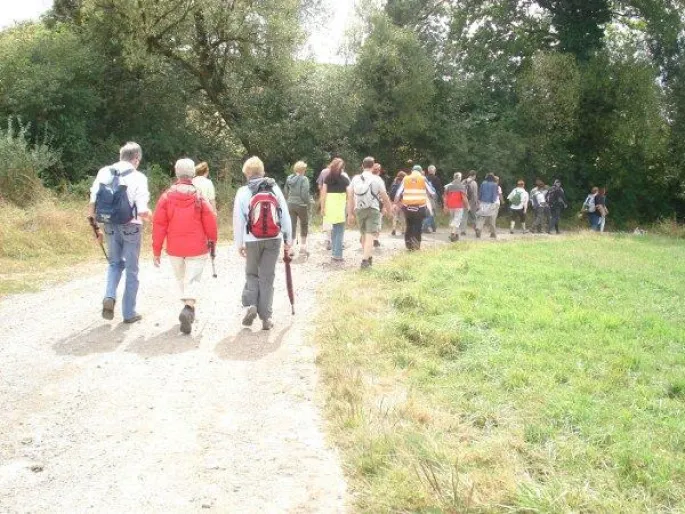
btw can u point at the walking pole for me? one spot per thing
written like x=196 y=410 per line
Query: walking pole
x=96 y=231
x=212 y=254
x=289 y=280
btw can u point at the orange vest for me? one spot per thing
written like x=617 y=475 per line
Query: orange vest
x=415 y=194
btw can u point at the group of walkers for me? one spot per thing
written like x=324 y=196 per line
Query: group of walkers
x=265 y=218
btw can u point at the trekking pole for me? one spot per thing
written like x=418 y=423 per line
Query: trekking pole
x=212 y=254
x=96 y=231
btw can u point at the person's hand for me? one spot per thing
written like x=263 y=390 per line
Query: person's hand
x=287 y=247
x=156 y=260
x=242 y=251
x=323 y=212
x=100 y=238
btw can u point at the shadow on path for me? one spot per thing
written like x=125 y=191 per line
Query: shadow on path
x=171 y=342
x=101 y=339
x=250 y=345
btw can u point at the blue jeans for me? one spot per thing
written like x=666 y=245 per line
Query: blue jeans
x=337 y=236
x=429 y=222
x=595 y=221
x=123 y=249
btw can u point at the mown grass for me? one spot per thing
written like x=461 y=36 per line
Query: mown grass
x=43 y=244
x=542 y=376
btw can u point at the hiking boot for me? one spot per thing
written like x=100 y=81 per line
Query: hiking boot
x=267 y=324
x=393 y=233
x=250 y=315
x=370 y=261
x=365 y=264
x=478 y=233
x=493 y=236
x=108 y=308
x=186 y=318
x=376 y=243
x=511 y=231
x=133 y=319
x=328 y=245
x=463 y=234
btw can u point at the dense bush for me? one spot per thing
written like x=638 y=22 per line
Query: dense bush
x=22 y=165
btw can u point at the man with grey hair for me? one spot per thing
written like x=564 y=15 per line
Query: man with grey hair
x=185 y=221
x=124 y=236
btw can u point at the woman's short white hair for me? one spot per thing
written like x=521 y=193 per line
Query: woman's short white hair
x=185 y=168
x=253 y=167
x=457 y=177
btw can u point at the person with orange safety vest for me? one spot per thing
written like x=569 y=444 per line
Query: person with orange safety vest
x=413 y=195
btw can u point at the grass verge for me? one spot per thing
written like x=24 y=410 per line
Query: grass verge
x=542 y=376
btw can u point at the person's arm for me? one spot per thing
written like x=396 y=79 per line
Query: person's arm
x=386 y=202
x=525 y=198
x=91 y=205
x=141 y=200
x=209 y=222
x=239 y=223
x=160 y=228
x=430 y=189
x=398 y=195
x=286 y=223
x=307 y=192
x=350 y=203
x=212 y=196
x=465 y=198
x=324 y=194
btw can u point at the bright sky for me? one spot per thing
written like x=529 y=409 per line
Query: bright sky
x=323 y=44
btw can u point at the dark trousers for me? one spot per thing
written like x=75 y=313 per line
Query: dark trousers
x=412 y=233
x=555 y=216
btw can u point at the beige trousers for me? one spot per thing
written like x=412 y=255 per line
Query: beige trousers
x=188 y=272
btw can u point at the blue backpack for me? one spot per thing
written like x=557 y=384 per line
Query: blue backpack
x=111 y=202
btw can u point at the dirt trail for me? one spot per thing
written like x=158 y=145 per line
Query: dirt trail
x=103 y=417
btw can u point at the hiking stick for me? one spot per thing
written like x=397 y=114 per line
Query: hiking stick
x=96 y=231
x=212 y=254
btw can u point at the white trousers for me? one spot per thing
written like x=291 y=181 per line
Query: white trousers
x=188 y=271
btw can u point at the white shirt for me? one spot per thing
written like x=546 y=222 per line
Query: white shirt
x=524 y=198
x=136 y=186
x=377 y=190
x=205 y=186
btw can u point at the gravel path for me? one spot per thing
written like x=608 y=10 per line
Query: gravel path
x=103 y=417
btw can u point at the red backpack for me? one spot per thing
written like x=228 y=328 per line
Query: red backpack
x=264 y=217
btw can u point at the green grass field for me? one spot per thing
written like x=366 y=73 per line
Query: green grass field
x=529 y=376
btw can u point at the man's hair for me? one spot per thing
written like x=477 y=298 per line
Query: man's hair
x=185 y=168
x=130 y=152
x=457 y=177
x=472 y=173
x=368 y=163
x=253 y=167
x=521 y=181
x=594 y=190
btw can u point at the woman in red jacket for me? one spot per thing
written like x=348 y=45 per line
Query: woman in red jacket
x=187 y=222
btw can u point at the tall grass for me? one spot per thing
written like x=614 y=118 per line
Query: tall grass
x=22 y=165
x=518 y=377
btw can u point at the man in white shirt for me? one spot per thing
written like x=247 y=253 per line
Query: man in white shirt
x=123 y=240
x=518 y=205
x=368 y=191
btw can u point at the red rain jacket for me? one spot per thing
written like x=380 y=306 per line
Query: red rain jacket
x=185 y=219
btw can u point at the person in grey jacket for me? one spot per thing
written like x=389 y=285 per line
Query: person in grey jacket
x=297 y=194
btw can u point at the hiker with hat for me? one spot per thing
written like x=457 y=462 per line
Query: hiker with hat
x=119 y=199
x=184 y=220
x=365 y=203
x=260 y=222
x=413 y=196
